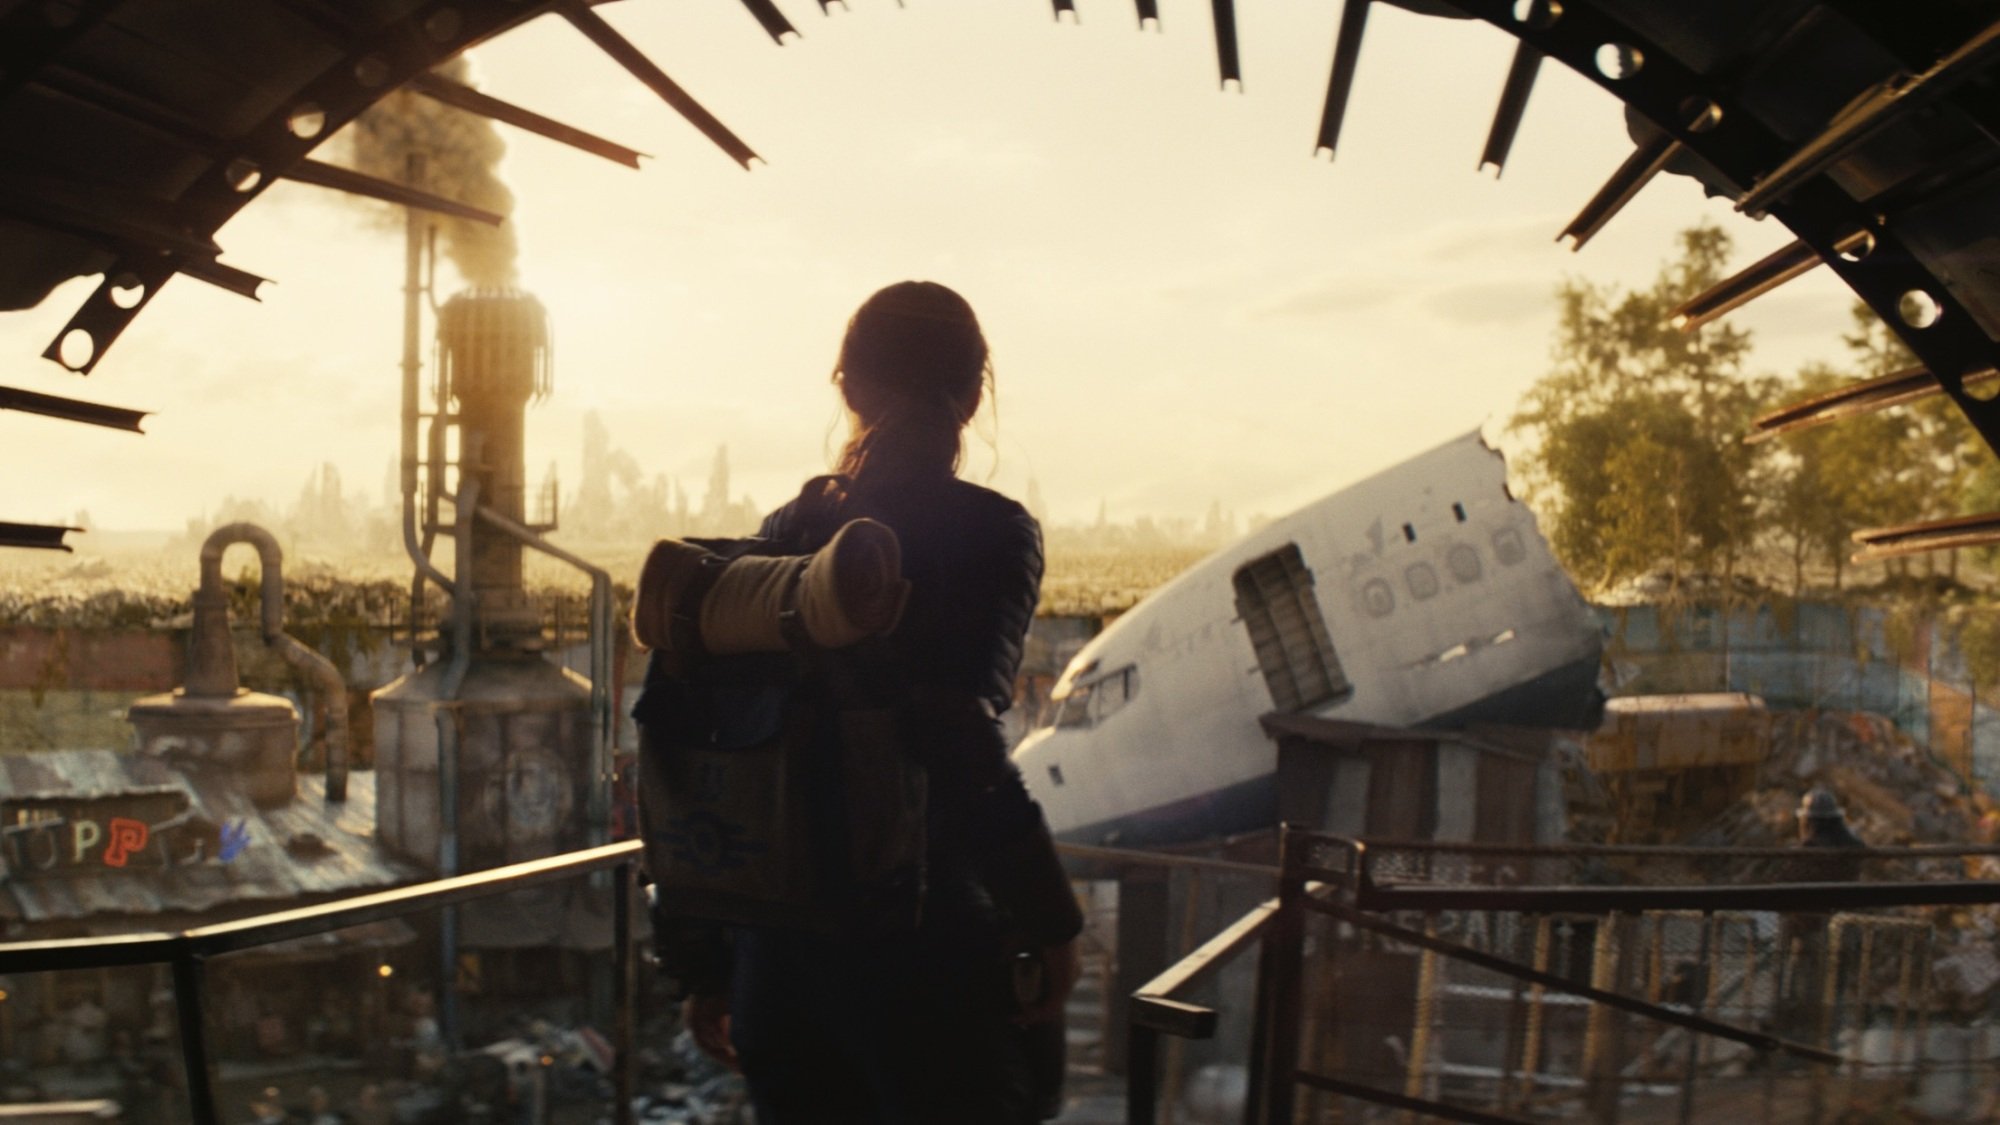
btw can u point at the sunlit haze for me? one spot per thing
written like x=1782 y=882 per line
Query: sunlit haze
x=1185 y=306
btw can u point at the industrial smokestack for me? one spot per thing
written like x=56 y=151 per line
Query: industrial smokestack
x=493 y=359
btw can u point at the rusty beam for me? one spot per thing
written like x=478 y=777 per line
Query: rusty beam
x=101 y=213
x=72 y=410
x=332 y=176
x=1865 y=397
x=633 y=60
x=1895 y=96
x=1226 y=61
x=1879 y=543
x=1340 y=83
x=1760 y=277
x=1513 y=104
x=1635 y=173
x=460 y=96
x=771 y=19
x=34 y=536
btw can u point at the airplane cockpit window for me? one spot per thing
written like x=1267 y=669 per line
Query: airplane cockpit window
x=1094 y=700
x=1508 y=547
x=1463 y=562
x=1422 y=581
x=1073 y=710
x=1274 y=597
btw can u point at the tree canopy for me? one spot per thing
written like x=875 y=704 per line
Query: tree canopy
x=1637 y=461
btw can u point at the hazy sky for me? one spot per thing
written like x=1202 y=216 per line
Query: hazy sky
x=1184 y=305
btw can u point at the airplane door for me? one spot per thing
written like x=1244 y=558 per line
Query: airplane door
x=1277 y=604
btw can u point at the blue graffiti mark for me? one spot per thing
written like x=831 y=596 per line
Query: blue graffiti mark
x=235 y=837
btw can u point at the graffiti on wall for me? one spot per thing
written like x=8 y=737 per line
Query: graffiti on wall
x=158 y=830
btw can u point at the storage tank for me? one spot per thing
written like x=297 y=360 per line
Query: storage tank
x=484 y=756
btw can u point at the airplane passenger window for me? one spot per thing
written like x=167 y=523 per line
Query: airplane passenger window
x=1463 y=562
x=1378 y=598
x=1422 y=581
x=1507 y=545
x=1274 y=597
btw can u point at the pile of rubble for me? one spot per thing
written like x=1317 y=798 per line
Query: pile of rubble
x=1893 y=792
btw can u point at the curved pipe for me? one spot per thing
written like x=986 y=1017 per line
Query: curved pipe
x=212 y=663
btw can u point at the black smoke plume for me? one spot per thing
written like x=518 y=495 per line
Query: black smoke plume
x=460 y=154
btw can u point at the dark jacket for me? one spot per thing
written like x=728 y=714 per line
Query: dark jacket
x=974 y=561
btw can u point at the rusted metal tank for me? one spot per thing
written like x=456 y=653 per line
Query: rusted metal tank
x=524 y=735
x=214 y=730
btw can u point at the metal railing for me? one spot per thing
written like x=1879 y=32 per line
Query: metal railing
x=1160 y=1008
x=188 y=951
x=1670 y=984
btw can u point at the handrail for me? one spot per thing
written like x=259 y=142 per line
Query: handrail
x=263 y=929
x=188 y=950
x=1154 y=1004
x=1650 y=851
x=1156 y=1011
x=1773 y=897
x=1169 y=860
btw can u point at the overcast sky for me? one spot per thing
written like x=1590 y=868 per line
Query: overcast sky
x=1185 y=306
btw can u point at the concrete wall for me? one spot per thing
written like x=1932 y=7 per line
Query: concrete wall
x=1814 y=656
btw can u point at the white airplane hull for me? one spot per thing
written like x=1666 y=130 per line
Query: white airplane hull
x=1441 y=607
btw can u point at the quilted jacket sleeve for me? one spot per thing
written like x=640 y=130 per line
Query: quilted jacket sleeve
x=979 y=796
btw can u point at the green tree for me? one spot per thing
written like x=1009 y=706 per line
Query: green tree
x=1918 y=462
x=1825 y=482
x=1637 y=461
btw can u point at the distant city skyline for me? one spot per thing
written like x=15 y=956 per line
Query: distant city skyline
x=1186 y=309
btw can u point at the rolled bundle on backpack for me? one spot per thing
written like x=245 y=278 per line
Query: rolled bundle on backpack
x=670 y=568
x=849 y=590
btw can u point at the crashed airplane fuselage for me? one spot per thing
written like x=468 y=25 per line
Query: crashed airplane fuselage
x=1421 y=596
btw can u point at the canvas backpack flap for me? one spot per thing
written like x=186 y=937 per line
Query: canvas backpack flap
x=724 y=795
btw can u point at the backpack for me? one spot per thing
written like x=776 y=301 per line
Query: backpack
x=775 y=788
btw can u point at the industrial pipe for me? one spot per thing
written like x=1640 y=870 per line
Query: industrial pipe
x=450 y=740
x=413 y=288
x=602 y=635
x=212 y=658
